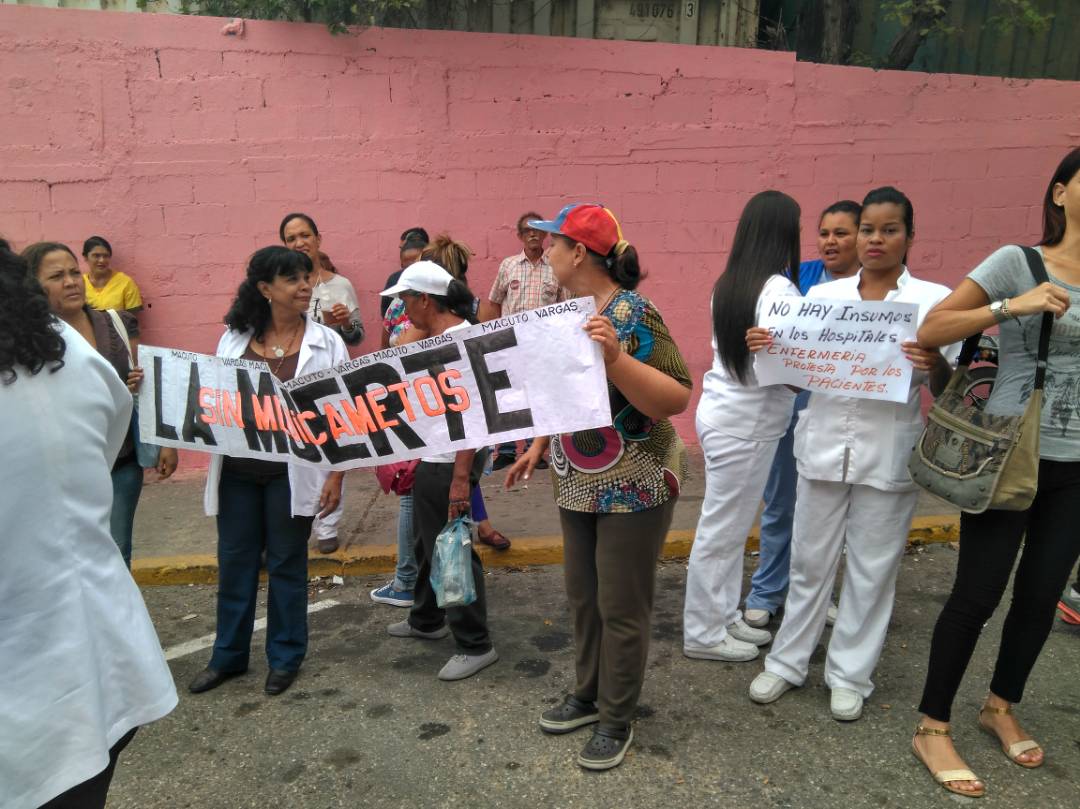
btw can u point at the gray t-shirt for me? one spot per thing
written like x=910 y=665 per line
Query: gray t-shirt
x=1005 y=274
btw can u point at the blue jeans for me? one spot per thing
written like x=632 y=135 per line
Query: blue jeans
x=127 y=483
x=769 y=585
x=405 y=574
x=254 y=512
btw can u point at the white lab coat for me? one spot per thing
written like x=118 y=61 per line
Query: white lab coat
x=321 y=348
x=80 y=663
x=854 y=491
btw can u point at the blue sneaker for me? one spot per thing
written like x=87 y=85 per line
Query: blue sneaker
x=388 y=595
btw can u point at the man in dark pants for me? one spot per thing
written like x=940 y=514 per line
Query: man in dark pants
x=440 y=492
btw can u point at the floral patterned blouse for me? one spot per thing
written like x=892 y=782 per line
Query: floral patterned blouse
x=637 y=463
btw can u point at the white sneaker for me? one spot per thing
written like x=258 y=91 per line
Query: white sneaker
x=830 y=615
x=845 y=705
x=730 y=649
x=768 y=687
x=756 y=618
x=740 y=630
x=459 y=667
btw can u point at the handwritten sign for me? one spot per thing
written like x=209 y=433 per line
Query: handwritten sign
x=838 y=347
x=532 y=373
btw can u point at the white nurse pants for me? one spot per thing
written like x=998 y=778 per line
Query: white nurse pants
x=327 y=527
x=875 y=525
x=736 y=470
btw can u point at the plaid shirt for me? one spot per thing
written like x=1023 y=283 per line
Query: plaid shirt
x=522 y=285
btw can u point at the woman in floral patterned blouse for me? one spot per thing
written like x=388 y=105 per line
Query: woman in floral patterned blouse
x=616 y=486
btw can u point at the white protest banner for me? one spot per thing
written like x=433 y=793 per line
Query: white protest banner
x=838 y=347
x=533 y=373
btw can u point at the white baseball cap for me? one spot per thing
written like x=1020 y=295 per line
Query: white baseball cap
x=423 y=276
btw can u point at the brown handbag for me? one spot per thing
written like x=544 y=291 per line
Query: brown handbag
x=976 y=460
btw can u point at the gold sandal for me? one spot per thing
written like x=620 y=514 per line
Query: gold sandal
x=1015 y=749
x=947 y=777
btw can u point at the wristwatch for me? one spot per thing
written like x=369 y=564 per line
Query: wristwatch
x=1000 y=310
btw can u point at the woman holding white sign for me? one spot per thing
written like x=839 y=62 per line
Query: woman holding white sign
x=615 y=487
x=268 y=504
x=739 y=424
x=1002 y=290
x=854 y=490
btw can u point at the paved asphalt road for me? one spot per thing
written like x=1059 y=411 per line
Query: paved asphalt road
x=368 y=725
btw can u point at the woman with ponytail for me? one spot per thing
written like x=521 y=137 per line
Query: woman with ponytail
x=739 y=424
x=616 y=487
x=268 y=504
x=437 y=303
x=452 y=256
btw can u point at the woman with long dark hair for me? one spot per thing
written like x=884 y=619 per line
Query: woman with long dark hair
x=268 y=504
x=83 y=667
x=437 y=303
x=854 y=491
x=56 y=270
x=739 y=424
x=616 y=486
x=1001 y=291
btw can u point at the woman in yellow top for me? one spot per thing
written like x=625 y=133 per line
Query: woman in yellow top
x=107 y=288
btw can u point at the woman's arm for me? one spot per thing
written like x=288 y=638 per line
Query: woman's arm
x=523 y=467
x=648 y=389
x=966 y=311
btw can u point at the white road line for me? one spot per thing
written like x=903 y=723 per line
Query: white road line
x=206 y=641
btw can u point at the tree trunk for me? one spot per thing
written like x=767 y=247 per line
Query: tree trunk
x=838 y=29
x=906 y=45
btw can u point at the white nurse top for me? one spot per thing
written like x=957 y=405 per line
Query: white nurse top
x=752 y=412
x=867 y=441
x=80 y=663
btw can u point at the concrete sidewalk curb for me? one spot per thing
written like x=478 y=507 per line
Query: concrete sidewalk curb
x=365 y=560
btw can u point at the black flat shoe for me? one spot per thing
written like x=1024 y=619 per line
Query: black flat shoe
x=209 y=679
x=278 y=681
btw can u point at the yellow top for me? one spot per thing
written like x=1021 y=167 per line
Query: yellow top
x=119 y=293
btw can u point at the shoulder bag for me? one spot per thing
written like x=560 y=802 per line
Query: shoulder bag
x=976 y=460
x=146 y=454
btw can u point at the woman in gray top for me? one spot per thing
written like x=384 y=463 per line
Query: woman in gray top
x=1001 y=290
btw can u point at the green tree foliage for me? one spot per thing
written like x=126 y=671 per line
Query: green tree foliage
x=925 y=18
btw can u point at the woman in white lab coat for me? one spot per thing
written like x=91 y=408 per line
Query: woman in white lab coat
x=82 y=665
x=854 y=490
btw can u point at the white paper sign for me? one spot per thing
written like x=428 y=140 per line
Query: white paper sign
x=838 y=347
x=530 y=374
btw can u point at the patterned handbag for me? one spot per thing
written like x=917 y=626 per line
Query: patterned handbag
x=976 y=460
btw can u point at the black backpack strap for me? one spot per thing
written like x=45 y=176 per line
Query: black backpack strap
x=1038 y=272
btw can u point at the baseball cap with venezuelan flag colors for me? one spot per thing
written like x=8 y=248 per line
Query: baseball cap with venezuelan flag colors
x=589 y=223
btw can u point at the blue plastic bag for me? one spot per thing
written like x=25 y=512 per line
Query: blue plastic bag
x=451 y=565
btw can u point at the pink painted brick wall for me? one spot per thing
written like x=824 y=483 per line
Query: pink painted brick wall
x=185 y=148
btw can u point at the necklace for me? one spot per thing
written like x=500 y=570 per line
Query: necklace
x=280 y=352
x=614 y=292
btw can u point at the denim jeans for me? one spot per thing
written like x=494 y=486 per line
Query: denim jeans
x=405 y=574
x=255 y=512
x=127 y=483
x=769 y=584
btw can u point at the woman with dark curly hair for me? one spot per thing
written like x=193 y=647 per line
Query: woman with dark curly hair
x=55 y=268
x=83 y=667
x=268 y=504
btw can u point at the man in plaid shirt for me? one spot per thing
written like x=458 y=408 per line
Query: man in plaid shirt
x=525 y=281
